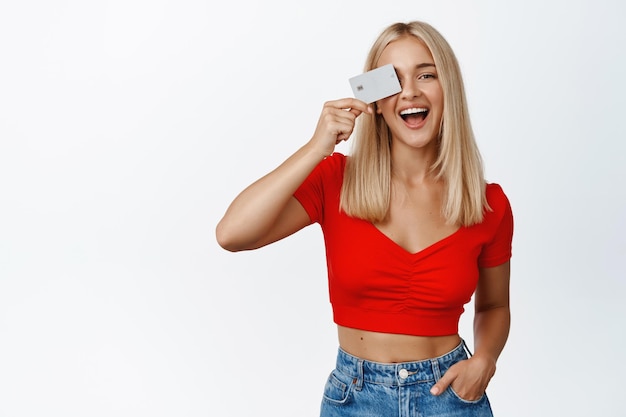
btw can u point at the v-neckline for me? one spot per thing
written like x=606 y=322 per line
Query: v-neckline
x=422 y=251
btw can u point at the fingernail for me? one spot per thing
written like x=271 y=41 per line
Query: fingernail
x=434 y=390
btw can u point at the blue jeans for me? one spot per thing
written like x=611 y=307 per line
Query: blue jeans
x=360 y=388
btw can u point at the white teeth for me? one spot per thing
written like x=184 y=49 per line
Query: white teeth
x=413 y=110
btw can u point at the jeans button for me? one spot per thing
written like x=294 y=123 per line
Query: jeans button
x=403 y=373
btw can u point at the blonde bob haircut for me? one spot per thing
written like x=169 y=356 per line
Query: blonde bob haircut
x=366 y=190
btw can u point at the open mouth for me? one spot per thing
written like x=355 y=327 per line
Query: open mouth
x=414 y=116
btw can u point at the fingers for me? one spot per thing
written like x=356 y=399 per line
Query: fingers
x=344 y=113
x=336 y=123
x=353 y=105
x=443 y=383
x=467 y=380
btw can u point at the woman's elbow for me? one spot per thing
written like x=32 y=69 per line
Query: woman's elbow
x=227 y=238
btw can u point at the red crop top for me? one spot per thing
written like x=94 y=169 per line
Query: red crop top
x=376 y=285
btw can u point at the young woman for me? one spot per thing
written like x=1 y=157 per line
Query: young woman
x=412 y=231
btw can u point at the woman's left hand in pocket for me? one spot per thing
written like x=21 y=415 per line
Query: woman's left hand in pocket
x=469 y=378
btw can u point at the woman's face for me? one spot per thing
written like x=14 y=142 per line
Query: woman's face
x=413 y=115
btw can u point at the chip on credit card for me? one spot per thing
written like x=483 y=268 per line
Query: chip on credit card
x=376 y=84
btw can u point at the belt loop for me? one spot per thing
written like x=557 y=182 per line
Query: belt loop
x=466 y=348
x=436 y=371
x=359 y=379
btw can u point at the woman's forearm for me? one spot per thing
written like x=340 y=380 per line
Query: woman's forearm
x=253 y=212
x=491 y=331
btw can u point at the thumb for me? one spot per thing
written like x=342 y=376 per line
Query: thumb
x=442 y=384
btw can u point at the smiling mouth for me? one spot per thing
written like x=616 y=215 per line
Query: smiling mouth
x=414 y=115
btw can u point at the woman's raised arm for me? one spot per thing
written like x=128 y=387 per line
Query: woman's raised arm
x=266 y=211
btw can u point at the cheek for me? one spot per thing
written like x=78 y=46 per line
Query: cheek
x=436 y=98
x=386 y=105
x=386 y=108
x=387 y=115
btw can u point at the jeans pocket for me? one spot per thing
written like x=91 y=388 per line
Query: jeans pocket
x=458 y=397
x=338 y=388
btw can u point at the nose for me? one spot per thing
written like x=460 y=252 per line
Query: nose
x=410 y=89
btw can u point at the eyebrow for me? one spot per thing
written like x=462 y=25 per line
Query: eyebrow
x=420 y=66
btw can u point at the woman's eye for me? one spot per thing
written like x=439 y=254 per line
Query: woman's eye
x=426 y=76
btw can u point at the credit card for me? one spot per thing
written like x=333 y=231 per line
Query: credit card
x=376 y=84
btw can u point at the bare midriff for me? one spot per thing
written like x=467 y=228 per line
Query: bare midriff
x=394 y=348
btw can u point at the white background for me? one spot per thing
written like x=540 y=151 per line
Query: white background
x=127 y=127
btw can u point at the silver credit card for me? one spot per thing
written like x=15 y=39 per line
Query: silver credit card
x=376 y=84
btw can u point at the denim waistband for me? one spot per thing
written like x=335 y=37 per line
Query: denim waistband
x=401 y=373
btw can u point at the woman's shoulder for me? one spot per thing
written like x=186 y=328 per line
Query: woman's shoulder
x=497 y=198
x=335 y=162
x=338 y=158
x=494 y=191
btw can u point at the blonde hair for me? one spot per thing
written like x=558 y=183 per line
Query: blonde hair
x=366 y=191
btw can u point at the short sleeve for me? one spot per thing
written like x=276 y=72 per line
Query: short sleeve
x=498 y=249
x=323 y=182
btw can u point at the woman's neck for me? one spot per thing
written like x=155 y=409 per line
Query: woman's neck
x=413 y=166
